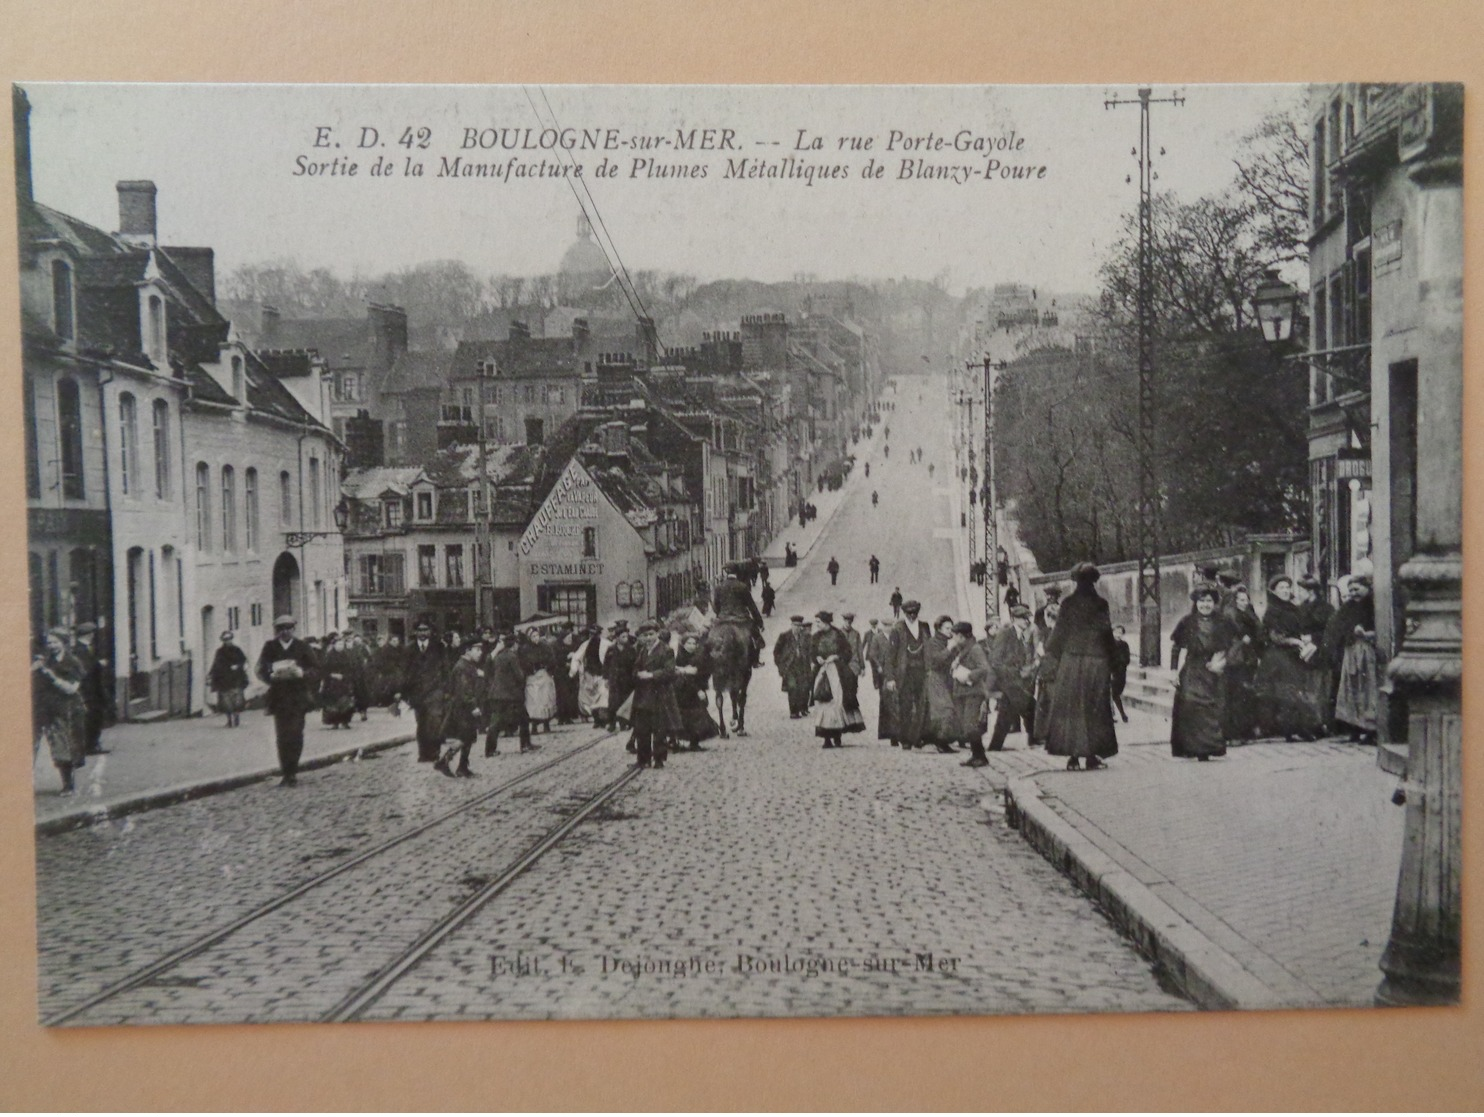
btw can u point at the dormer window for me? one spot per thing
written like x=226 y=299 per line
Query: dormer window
x=63 y=320
x=155 y=341
x=423 y=508
x=391 y=513
x=239 y=381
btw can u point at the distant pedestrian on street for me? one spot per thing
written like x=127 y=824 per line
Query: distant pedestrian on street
x=895 y=601
x=423 y=670
x=868 y=469
x=57 y=705
x=885 y=450
x=769 y=597
x=288 y=665
x=793 y=657
x=875 y=564
x=930 y=469
x=1080 y=716
x=228 y=677
x=834 y=568
x=1118 y=680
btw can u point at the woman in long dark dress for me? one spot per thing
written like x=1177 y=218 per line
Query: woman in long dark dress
x=1241 y=668
x=58 y=707
x=228 y=678
x=1080 y=714
x=337 y=693
x=942 y=718
x=1288 y=708
x=692 y=678
x=1350 y=641
x=1198 y=724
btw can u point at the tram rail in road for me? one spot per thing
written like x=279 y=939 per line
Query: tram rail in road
x=205 y=942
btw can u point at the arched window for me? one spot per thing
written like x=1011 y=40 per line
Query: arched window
x=62 y=317
x=239 y=382
x=286 y=499
x=203 y=507
x=156 y=340
x=250 y=509
x=128 y=444
x=69 y=428
x=162 y=448
x=229 y=510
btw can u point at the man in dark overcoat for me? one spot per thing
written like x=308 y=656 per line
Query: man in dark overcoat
x=95 y=692
x=1012 y=667
x=618 y=669
x=732 y=604
x=656 y=715
x=794 y=657
x=969 y=670
x=874 y=648
x=505 y=678
x=857 y=662
x=289 y=666
x=424 y=669
x=904 y=716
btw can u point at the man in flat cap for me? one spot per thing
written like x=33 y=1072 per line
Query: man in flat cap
x=794 y=657
x=1012 y=677
x=289 y=667
x=904 y=697
x=969 y=671
x=874 y=646
x=857 y=661
x=656 y=716
x=505 y=680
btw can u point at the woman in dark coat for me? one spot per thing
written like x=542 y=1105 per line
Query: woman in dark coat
x=692 y=678
x=464 y=709
x=568 y=709
x=1080 y=714
x=337 y=695
x=58 y=707
x=1208 y=639
x=228 y=677
x=1350 y=642
x=942 y=717
x=1242 y=706
x=1287 y=708
x=839 y=713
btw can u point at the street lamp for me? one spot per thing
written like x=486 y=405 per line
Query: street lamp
x=1276 y=306
x=341 y=513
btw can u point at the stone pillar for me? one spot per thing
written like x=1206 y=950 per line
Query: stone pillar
x=1421 y=961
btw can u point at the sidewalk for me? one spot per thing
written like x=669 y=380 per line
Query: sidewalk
x=827 y=503
x=1264 y=879
x=157 y=763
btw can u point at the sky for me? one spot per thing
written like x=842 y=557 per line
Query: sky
x=1039 y=202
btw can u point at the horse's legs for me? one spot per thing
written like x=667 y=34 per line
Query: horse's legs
x=739 y=703
x=721 y=719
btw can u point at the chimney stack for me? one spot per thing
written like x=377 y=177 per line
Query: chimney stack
x=20 y=112
x=268 y=326
x=137 y=211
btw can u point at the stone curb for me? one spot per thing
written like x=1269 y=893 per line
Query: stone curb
x=1197 y=967
x=170 y=796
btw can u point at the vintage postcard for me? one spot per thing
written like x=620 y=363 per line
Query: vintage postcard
x=603 y=552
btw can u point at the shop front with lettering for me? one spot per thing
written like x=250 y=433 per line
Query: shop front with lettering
x=581 y=558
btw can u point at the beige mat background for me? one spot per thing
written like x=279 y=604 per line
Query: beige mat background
x=1359 y=1059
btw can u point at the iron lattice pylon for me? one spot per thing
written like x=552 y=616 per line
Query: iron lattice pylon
x=1149 y=610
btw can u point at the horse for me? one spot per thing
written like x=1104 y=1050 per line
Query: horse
x=730 y=650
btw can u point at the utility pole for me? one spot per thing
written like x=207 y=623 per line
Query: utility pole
x=484 y=596
x=1149 y=608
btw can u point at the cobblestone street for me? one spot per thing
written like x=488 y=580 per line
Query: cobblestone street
x=764 y=877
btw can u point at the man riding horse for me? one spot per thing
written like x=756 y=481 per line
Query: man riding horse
x=732 y=604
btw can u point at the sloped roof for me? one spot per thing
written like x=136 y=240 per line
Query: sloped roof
x=420 y=370
x=372 y=483
x=342 y=342
x=517 y=358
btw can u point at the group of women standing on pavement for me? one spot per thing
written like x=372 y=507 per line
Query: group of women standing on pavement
x=1294 y=672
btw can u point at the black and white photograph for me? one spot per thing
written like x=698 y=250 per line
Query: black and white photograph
x=596 y=552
